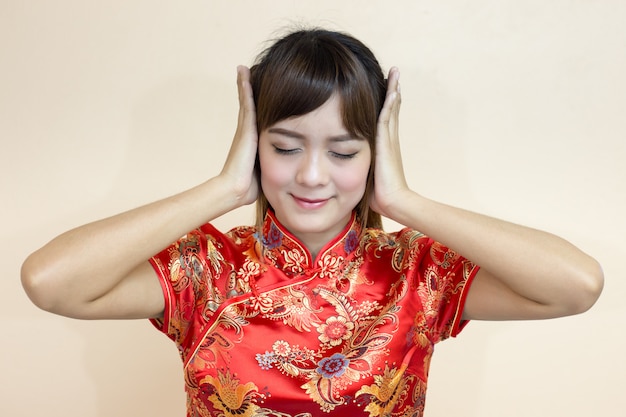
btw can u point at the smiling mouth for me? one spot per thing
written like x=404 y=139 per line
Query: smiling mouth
x=309 y=203
x=309 y=200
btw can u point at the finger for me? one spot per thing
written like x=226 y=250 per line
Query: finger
x=243 y=84
x=393 y=80
x=244 y=145
x=247 y=112
x=388 y=117
x=397 y=101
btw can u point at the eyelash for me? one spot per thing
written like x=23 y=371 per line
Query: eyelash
x=343 y=155
x=282 y=151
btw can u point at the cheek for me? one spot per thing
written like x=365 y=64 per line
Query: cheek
x=273 y=173
x=354 y=179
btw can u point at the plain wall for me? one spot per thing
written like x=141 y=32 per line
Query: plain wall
x=512 y=108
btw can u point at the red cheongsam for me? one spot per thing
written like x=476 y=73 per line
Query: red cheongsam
x=264 y=330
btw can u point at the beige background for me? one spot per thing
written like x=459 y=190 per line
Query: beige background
x=511 y=108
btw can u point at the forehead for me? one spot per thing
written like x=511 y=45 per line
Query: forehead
x=326 y=118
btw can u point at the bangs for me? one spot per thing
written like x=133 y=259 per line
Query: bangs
x=301 y=72
x=294 y=87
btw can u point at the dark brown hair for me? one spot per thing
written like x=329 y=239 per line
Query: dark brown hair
x=299 y=72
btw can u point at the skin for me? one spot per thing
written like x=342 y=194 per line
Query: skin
x=100 y=270
x=313 y=173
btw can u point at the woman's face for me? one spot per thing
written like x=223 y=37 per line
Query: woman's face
x=313 y=172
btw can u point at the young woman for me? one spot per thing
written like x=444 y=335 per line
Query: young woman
x=315 y=309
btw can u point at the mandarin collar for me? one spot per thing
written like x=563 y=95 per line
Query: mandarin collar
x=285 y=251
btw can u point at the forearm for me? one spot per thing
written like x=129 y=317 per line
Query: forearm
x=534 y=264
x=525 y=273
x=87 y=262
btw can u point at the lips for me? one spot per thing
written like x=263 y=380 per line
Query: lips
x=310 y=203
x=310 y=200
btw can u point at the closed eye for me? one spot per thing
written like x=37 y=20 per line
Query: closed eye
x=291 y=151
x=283 y=151
x=343 y=155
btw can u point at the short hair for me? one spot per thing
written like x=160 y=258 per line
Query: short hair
x=299 y=72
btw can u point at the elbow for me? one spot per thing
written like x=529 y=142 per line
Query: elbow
x=589 y=288
x=39 y=284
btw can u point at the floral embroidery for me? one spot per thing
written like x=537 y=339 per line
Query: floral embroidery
x=248 y=269
x=263 y=303
x=292 y=306
x=249 y=311
x=362 y=345
x=352 y=241
x=189 y=263
x=443 y=256
x=335 y=330
x=232 y=398
x=288 y=359
x=294 y=261
x=367 y=307
x=281 y=348
x=418 y=334
x=273 y=238
x=388 y=388
x=266 y=360
x=332 y=367
x=329 y=265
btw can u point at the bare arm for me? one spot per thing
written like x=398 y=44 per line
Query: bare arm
x=101 y=270
x=525 y=273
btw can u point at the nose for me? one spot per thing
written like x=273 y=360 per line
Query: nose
x=313 y=170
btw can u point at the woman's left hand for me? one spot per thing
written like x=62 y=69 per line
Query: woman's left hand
x=525 y=273
x=389 y=180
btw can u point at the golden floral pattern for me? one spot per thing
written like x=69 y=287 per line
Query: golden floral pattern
x=230 y=397
x=265 y=330
x=388 y=389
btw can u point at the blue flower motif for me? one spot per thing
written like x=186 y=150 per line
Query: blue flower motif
x=266 y=360
x=334 y=366
x=274 y=237
x=352 y=240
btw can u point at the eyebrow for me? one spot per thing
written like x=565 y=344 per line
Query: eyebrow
x=290 y=133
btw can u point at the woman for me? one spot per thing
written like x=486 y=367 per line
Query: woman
x=316 y=308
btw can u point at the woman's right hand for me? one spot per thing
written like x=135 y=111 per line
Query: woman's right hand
x=238 y=169
x=101 y=271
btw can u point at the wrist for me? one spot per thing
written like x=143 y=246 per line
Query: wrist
x=230 y=193
x=406 y=208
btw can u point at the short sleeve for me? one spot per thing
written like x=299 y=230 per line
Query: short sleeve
x=443 y=281
x=187 y=271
